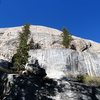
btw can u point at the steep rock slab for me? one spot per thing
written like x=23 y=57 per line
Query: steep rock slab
x=46 y=37
x=63 y=62
x=52 y=54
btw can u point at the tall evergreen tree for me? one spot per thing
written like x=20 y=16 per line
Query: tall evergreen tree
x=67 y=38
x=21 y=57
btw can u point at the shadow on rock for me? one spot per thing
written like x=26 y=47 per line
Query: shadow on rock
x=31 y=86
x=83 y=91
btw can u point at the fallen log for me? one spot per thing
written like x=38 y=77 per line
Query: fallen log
x=5 y=70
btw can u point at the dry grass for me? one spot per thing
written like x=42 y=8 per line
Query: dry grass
x=89 y=80
x=92 y=80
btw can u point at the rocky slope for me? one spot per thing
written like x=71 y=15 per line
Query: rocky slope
x=53 y=56
x=83 y=57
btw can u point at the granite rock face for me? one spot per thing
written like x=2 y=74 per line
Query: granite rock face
x=30 y=86
x=63 y=62
x=80 y=45
x=36 y=86
x=83 y=57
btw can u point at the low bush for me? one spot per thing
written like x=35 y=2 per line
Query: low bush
x=33 y=45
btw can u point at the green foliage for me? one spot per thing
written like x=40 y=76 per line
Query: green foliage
x=81 y=78
x=67 y=38
x=33 y=45
x=21 y=57
x=5 y=70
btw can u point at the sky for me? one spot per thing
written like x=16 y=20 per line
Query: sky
x=80 y=17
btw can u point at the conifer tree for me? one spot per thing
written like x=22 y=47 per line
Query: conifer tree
x=67 y=38
x=21 y=57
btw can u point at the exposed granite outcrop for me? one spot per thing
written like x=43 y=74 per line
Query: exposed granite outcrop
x=59 y=63
x=34 y=85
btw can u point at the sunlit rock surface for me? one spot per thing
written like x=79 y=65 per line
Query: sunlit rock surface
x=62 y=62
x=83 y=57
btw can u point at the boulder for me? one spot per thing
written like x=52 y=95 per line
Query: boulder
x=80 y=45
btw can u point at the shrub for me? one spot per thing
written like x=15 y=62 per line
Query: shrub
x=67 y=38
x=33 y=45
x=81 y=78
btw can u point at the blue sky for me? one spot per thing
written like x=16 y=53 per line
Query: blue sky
x=81 y=17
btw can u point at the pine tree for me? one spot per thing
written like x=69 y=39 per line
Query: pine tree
x=21 y=57
x=67 y=38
